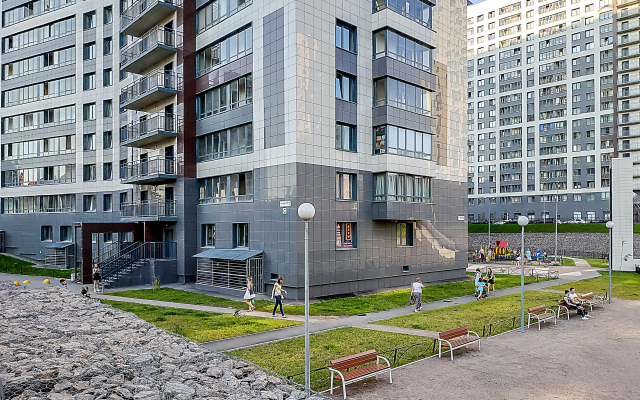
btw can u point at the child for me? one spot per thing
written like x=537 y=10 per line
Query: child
x=479 y=289
x=63 y=283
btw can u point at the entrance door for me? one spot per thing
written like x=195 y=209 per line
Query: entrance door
x=169 y=164
x=169 y=252
x=168 y=118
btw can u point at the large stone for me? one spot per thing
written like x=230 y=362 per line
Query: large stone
x=214 y=372
x=178 y=388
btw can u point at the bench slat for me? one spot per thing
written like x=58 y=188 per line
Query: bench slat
x=454 y=333
x=537 y=309
x=357 y=373
x=460 y=341
x=354 y=360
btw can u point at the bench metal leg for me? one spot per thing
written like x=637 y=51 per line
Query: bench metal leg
x=439 y=349
x=451 y=352
x=478 y=344
x=331 y=391
x=344 y=390
x=390 y=381
x=538 y=323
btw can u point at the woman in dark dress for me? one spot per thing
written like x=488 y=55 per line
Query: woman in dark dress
x=96 y=278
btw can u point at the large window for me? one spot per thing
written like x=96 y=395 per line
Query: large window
x=389 y=186
x=89 y=203
x=208 y=235
x=226 y=143
x=107 y=171
x=89 y=20
x=39 y=91
x=39 y=34
x=389 y=91
x=66 y=234
x=241 y=235
x=89 y=141
x=404 y=233
x=48 y=204
x=416 y=10
x=107 y=15
x=58 y=203
x=346 y=36
x=346 y=88
x=39 y=176
x=346 y=235
x=218 y=10
x=46 y=233
x=346 y=137
x=107 y=46
x=227 y=188
x=223 y=98
x=41 y=62
x=39 y=119
x=107 y=108
x=107 y=139
x=389 y=43
x=405 y=142
x=346 y=186
x=107 y=77
x=32 y=9
x=230 y=48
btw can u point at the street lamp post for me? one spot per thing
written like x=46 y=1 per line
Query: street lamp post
x=489 y=222
x=610 y=227
x=555 y=252
x=522 y=221
x=306 y=211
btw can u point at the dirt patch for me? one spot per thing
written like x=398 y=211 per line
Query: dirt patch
x=603 y=354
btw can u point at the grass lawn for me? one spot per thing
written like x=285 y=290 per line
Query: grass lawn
x=624 y=285
x=287 y=356
x=343 y=306
x=474 y=315
x=201 y=326
x=596 y=262
x=11 y=265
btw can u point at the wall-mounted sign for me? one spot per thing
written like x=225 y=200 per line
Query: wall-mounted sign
x=285 y=203
x=460 y=217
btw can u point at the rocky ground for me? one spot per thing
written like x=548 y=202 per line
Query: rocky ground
x=57 y=345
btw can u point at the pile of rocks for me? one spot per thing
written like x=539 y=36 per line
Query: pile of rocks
x=58 y=345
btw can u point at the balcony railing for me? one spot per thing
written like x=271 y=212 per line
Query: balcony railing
x=144 y=129
x=628 y=65
x=634 y=132
x=134 y=95
x=144 y=14
x=628 y=147
x=631 y=119
x=629 y=92
x=154 y=169
x=629 y=52
x=623 y=2
x=635 y=78
x=149 y=210
x=627 y=38
x=157 y=38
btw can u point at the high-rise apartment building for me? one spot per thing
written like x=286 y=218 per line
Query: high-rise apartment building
x=182 y=136
x=542 y=108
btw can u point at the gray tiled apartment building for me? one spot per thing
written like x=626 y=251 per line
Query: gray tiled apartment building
x=224 y=116
x=542 y=106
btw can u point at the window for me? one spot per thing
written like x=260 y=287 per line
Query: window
x=404 y=234
x=89 y=51
x=89 y=20
x=89 y=203
x=66 y=234
x=346 y=137
x=216 y=11
x=417 y=10
x=123 y=40
x=107 y=46
x=89 y=112
x=107 y=140
x=234 y=94
x=89 y=141
x=346 y=186
x=406 y=142
x=108 y=15
x=346 y=235
x=89 y=173
x=346 y=87
x=389 y=186
x=46 y=233
x=346 y=36
x=226 y=188
x=107 y=237
x=94 y=238
x=107 y=171
x=223 y=51
x=107 y=77
x=123 y=199
x=89 y=81
x=241 y=235
x=107 y=108
x=38 y=34
x=388 y=91
x=208 y=235
x=107 y=202
x=392 y=44
x=226 y=143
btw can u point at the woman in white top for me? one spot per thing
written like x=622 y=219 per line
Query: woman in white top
x=416 y=292
x=249 y=295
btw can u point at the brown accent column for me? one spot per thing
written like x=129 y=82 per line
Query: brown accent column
x=186 y=65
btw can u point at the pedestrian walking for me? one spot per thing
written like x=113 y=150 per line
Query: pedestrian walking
x=249 y=295
x=277 y=293
x=96 y=278
x=482 y=255
x=416 y=292
x=490 y=280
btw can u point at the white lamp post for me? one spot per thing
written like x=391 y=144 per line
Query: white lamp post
x=306 y=211
x=555 y=252
x=522 y=221
x=610 y=227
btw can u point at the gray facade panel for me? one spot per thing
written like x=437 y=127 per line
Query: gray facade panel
x=346 y=112
x=387 y=66
x=273 y=75
x=41 y=48
x=384 y=115
x=218 y=122
x=31 y=79
x=41 y=133
x=346 y=61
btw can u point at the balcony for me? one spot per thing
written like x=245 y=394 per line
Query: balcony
x=623 y=2
x=144 y=15
x=149 y=172
x=628 y=13
x=629 y=92
x=148 y=130
x=630 y=80
x=629 y=132
x=628 y=65
x=628 y=105
x=628 y=52
x=628 y=38
x=151 y=210
x=149 y=89
x=156 y=45
x=629 y=119
x=628 y=146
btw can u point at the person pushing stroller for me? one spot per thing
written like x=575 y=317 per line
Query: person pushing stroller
x=482 y=289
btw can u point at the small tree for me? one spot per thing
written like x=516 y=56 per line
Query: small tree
x=156 y=283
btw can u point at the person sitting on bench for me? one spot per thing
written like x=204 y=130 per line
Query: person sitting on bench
x=575 y=306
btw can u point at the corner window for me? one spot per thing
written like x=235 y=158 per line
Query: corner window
x=346 y=36
x=89 y=203
x=209 y=235
x=405 y=142
x=66 y=234
x=241 y=235
x=388 y=43
x=89 y=20
x=346 y=186
x=404 y=233
x=346 y=137
x=394 y=93
x=107 y=204
x=346 y=235
x=46 y=233
x=346 y=87
x=389 y=186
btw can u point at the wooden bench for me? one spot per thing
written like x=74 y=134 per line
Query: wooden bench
x=541 y=313
x=563 y=305
x=455 y=339
x=358 y=374
x=593 y=299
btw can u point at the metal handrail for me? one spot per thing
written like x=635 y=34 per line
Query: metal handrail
x=113 y=268
x=156 y=79
x=156 y=165
x=137 y=9
x=156 y=36
x=150 y=208
x=105 y=252
x=152 y=123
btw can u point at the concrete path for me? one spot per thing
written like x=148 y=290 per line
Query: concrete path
x=396 y=329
